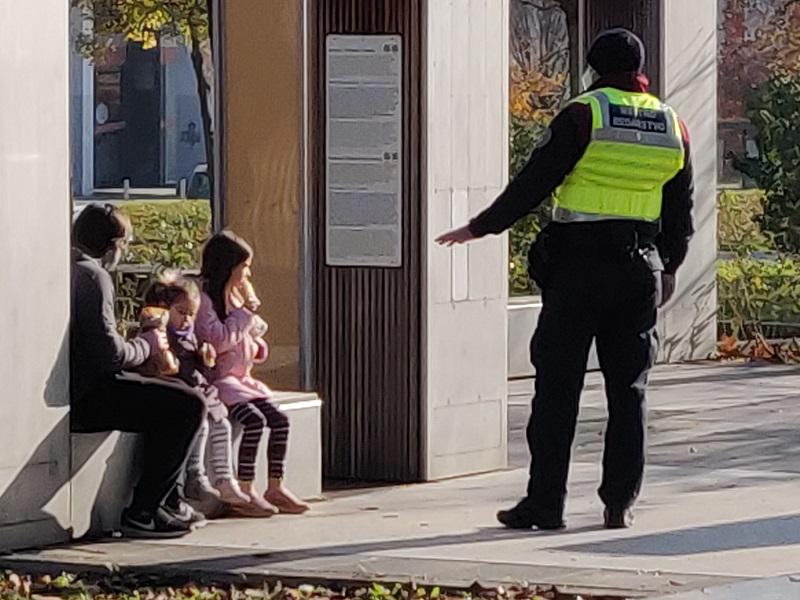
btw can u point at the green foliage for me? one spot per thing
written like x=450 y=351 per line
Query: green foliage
x=758 y=287
x=775 y=110
x=521 y=236
x=166 y=234
x=739 y=216
x=524 y=136
x=758 y=295
x=144 y=21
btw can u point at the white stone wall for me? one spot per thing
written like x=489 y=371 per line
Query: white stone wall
x=688 y=325
x=34 y=272
x=465 y=306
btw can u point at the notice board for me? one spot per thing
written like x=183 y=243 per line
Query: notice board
x=363 y=150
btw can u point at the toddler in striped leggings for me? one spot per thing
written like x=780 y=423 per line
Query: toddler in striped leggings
x=182 y=298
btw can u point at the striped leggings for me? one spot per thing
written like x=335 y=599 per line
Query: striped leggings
x=217 y=436
x=254 y=416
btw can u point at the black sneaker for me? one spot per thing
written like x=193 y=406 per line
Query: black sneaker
x=523 y=516
x=145 y=524
x=617 y=518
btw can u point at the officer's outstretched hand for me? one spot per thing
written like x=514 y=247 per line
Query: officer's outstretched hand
x=456 y=236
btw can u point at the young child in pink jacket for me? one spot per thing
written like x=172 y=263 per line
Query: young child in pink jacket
x=228 y=322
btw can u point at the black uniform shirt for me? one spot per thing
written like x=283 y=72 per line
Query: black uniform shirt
x=565 y=143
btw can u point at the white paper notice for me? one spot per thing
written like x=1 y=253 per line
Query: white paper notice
x=364 y=150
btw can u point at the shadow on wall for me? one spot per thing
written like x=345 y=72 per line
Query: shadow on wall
x=24 y=500
x=691 y=341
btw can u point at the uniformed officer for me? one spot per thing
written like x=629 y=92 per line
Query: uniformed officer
x=616 y=163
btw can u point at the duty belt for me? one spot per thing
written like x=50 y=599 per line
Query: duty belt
x=564 y=215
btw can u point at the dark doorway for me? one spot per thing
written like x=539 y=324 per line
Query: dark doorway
x=643 y=17
x=141 y=109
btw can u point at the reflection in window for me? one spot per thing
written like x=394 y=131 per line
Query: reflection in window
x=543 y=63
x=146 y=121
x=141 y=107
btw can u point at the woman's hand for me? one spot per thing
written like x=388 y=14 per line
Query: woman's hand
x=456 y=236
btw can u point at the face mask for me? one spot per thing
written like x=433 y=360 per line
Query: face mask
x=111 y=259
x=589 y=78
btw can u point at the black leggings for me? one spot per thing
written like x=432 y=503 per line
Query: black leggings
x=254 y=416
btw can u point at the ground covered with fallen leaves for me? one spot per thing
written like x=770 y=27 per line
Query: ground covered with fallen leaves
x=16 y=586
x=759 y=349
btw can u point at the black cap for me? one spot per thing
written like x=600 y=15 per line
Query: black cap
x=616 y=51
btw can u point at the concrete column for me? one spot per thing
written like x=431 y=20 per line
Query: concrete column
x=34 y=273
x=688 y=325
x=465 y=368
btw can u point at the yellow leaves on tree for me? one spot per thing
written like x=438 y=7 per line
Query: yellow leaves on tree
x=143 y=21
x=534 y=96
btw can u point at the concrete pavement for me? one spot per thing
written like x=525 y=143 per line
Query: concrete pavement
x=720 y=506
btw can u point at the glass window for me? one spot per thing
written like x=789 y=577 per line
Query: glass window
x=543 y=64
x=142 y=129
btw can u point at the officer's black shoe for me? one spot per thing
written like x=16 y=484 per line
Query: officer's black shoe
x=617 y=518
x=523 y=516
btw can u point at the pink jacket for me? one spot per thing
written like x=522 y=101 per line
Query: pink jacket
x=237 y=351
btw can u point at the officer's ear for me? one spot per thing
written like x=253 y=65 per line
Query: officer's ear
x=589 y=78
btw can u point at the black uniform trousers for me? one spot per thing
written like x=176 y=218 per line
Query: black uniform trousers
x=606 y=289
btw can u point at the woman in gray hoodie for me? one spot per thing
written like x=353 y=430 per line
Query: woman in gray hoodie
x=104 y=398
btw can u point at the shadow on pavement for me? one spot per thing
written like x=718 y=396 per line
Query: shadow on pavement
x=741 y=535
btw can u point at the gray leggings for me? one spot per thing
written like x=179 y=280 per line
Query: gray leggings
x=216 y=436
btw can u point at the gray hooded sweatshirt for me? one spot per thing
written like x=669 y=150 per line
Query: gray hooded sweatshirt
x=97 y=350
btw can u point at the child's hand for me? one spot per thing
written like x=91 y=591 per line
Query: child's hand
x=251 y=300
x=234 y=299
x=261 y=352
x=157 y=340
x=217 y=412
x=252 y=304
x=259 y=328
x=208 y=354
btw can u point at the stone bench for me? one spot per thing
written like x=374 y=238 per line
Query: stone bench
x=104 y=465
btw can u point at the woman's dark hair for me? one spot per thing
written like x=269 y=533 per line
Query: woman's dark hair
x=98 y=227
x=169 y=289
x=223 y=253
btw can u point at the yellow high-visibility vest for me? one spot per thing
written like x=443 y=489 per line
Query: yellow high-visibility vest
x=636 y=148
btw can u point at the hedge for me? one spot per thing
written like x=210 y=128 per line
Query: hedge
x=758 y=286
x=166 y=234
x=169 y=233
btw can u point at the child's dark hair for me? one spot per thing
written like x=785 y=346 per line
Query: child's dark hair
x=223 y=253
x=98 y=226
x=169 y=289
